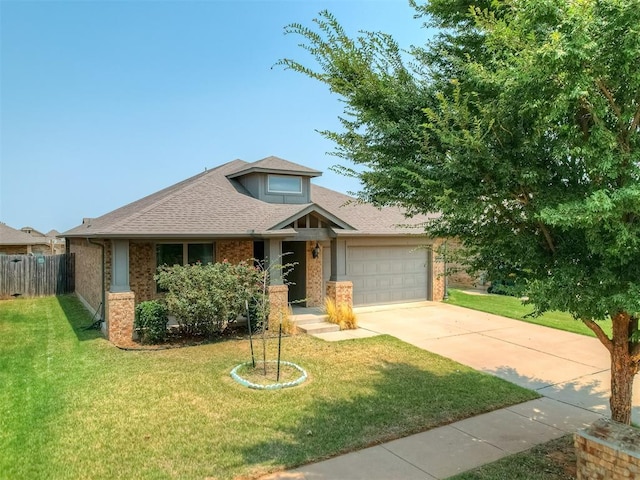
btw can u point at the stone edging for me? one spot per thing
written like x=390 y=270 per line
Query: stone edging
x=272 y=386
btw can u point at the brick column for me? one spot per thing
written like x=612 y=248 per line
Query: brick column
x=278 y=302
x=314 y=276
x=340 y=292
x=437 y=271
x=120 y=313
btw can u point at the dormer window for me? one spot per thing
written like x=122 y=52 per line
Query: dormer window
x=284 y=184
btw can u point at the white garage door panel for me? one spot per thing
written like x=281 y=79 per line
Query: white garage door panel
x=387 y=274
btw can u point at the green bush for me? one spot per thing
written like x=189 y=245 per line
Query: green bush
x=206 y=298
x=151 y=322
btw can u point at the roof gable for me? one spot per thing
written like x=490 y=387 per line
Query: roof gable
x=327 y=217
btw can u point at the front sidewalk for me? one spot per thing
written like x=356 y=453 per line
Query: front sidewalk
x=571 y=372
x=445 y=451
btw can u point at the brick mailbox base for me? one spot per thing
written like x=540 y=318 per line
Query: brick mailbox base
x=608 y=450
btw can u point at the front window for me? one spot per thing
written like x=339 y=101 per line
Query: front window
x=183 y=253
x=284 y=184
x=176 y=253
x=199 y=253
x=169 y=254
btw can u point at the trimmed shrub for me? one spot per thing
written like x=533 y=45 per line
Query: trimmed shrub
x=206 y=298
x=151 y=322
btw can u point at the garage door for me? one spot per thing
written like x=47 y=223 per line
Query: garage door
x=387 y=274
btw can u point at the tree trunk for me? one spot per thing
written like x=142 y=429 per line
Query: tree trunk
x=623 y=369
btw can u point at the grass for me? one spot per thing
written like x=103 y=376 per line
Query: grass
x=513 y=308
x=554 y=460
x=74 y=406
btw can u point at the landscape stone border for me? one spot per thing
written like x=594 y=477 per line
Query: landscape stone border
x=271 y=386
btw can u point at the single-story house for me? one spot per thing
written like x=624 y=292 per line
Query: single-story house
x=56 y=244
x=343 y=249
x=18 y=242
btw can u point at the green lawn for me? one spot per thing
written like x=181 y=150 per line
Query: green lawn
x=554 y=460
x=74 y=406
x=513 y=308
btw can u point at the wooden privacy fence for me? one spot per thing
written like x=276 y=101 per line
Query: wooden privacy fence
x=36 y=275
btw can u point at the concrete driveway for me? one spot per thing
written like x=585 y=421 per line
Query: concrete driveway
x=570 y=368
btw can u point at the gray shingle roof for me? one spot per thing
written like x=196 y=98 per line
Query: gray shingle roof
x=275 y=165
x=11 y=236
x=213 y=204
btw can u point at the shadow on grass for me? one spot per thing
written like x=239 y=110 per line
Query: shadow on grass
x=392 y=406
x=78 y=317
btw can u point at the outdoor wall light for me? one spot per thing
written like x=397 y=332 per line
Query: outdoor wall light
x=315 y=253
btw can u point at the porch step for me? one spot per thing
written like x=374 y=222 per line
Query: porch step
x=307 y=318
x=319 y=327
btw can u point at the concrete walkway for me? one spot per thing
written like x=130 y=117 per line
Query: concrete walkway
x=571 y=372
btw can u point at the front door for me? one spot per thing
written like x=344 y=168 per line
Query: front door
x=296 y=252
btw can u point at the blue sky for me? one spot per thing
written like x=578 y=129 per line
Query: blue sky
x=104 y=102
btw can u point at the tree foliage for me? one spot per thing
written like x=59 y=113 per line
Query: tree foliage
x=519 y=122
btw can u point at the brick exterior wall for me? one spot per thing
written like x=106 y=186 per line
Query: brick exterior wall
x=120 y=313
x=314 y=277
x=278 y=302
x=608 y=451
x=234 y=251
x=437 y=278
x=120 y=307
x=14 y=249
x=340 y=292
x=142 y=268
x=26 y=249
x=88 y=274
x=107 y=264
x=456 y=276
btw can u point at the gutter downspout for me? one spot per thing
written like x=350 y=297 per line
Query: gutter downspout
x=104 y=298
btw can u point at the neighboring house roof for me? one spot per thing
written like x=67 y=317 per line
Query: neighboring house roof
x=52 y=233
x=212 y=203
x=11 y=236
x=32 y=231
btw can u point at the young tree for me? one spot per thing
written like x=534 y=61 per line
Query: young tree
x=520 y=123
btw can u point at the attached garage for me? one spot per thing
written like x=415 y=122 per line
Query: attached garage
x=388 y=274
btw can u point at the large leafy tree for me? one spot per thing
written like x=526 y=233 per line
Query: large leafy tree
x=520 y=123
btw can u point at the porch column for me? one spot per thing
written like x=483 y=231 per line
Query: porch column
x=339 y=289
x=120 y=300
x=273 y=255
x=120 y=266
x=278 y=291
x=338 y=260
